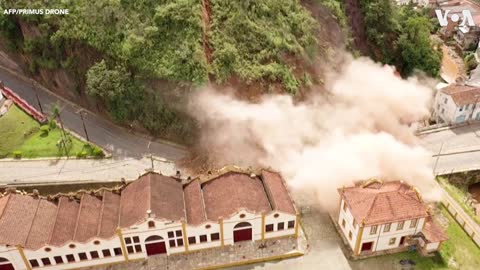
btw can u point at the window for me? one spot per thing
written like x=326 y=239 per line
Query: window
x=373 y=230
x=215 y=236
x=460 y=109
x=151 y=224
x=413 y=223
x=96 y=242
x=291 y=224
x=70 y=258
x=58 y=259
x=46 y=261
x=276 y=215
x=443 y=110
x=133 y=244
x=400 y=225
x=343 y=223
x=71 y=246
x=280 y=226
x=175 y=238
x=243 y=215
x=269 y=228
x=203 y=238
x=208 y=226
x=350 y=235
x=445 y=101
x=192 y=240
x=94 y=254
x=387 y=227
x=34 y=263
x=344 y=206
x=117 y=251
x=47 y=249
x=106 y=253
x=438 y=107
x=392 y=241
x=82 y=256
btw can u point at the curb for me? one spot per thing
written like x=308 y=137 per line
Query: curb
x=76 y=106
x=259 y=260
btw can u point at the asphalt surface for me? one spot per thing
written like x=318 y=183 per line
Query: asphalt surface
x=454 y=150
x=117 y=140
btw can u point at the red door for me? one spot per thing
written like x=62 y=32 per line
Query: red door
x=242 y=235
x=156 y=248
x=5 y=264
x=367 y=246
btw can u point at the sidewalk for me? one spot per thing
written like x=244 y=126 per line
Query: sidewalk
x=78 y=170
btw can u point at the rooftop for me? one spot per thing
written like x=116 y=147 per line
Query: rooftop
x=379 y=203
x=462 y=94
x=34 y=221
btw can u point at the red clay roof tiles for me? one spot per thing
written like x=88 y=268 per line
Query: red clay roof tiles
x=230 y=192
x=382 y=203
x=66 y=221
x=88 y=218
x=42 y=225
x=109 y=215
x=42 y=222
x=462 y=94
x=14 y=227
x=432 y=232
x=277 y=192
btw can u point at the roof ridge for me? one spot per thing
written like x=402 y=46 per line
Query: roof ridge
x=56 y=219
x=78 y=217
x=149 y=186
x=8 y=200
x=99 y=226
x=203 y=200
x=268 y=192
x=390 y=204
x=31 y=225
x=371 y=206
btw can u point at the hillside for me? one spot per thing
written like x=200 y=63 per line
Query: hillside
x=136 y=61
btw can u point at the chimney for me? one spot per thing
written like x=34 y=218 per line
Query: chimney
x=35 y=193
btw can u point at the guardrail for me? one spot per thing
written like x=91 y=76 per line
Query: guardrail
x=20 y=102
x=458 y=215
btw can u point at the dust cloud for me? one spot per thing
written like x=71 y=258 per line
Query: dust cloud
x=358 y=130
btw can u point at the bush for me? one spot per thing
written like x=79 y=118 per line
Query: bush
x=44 y=130
x=52 y=124
x=97 y=152
x=82 y=154
x=17 y=154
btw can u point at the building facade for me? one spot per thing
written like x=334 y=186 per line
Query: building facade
x=150 y=216
x=377 y=216
x=456 y=104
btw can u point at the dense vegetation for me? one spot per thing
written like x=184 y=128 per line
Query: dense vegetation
x=255 y=40
x=119 y=51
x=400 y=36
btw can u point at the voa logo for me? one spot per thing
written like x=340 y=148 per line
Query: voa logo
x=466 y=20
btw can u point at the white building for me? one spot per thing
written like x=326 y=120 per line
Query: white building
x=456 y=104
x=378 y=216
x=422 y=3
x=152 y=215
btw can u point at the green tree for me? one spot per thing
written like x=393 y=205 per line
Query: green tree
x=416 y=49
x=116 y=88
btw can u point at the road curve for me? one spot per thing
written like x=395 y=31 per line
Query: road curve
x=119 y=141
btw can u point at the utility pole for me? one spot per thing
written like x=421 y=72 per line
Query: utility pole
x=81 y=111
x=438 y=157
x=56 y=113
x=36 y=94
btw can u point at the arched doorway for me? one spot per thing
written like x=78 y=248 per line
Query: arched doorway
x=5 y=264
x=242 y=232
x=155 y=245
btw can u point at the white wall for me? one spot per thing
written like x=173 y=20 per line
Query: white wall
x=451 y=111
x=254 y=219
x=280 y=218
x=349 y=227
x=381 y=239
x=12 y=254
x=196 y=231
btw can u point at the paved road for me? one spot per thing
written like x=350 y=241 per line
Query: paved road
x=454 y=150
x=120 y=142
x=75 y=171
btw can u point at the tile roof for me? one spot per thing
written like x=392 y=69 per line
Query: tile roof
x=277 y=192
x=34 y=222
x=160 y=194
x=230 y=192
x=432 y=232
x=380 y=203
x=462 y=94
